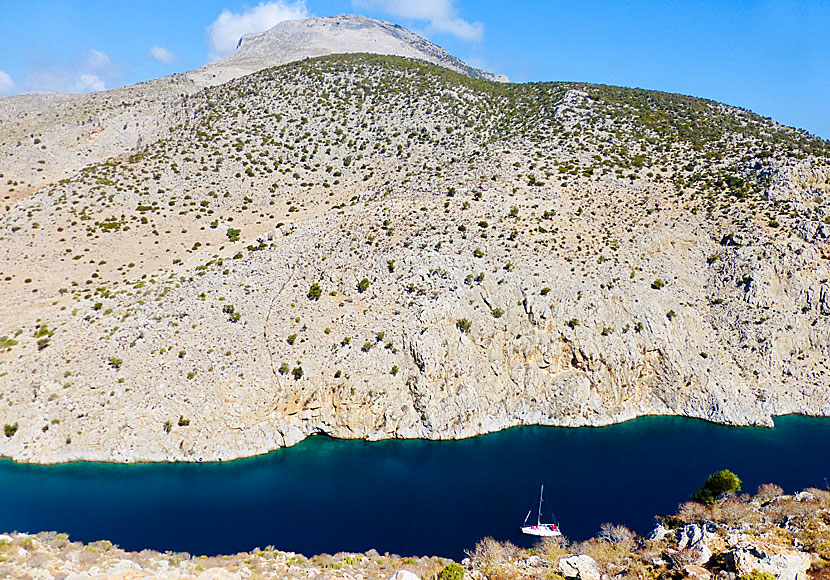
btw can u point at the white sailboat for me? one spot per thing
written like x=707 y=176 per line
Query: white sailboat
x=540 y=529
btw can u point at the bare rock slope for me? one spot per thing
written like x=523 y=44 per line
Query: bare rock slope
x=372 y=247
x=294 y=40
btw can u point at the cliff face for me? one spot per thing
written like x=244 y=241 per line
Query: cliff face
x=374 y=247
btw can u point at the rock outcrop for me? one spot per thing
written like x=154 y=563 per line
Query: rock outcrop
x=581 y=567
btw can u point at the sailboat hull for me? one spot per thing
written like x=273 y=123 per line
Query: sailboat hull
x=545 y=530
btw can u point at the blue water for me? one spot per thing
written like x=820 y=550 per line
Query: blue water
x=410 y=497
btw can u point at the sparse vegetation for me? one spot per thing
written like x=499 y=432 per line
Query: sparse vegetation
x=315 y=292
x=536 y=203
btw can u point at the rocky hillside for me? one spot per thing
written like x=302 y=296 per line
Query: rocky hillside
x=372 y=247
x=767 y=537
x=48 y=137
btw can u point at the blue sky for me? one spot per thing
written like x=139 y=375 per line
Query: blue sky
x=768 y=56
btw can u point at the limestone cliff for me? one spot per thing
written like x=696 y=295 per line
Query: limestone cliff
x=375 y=247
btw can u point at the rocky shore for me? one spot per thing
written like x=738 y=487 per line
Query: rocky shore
x=770 y=536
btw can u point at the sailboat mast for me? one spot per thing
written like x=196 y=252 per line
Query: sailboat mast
x=539 y=513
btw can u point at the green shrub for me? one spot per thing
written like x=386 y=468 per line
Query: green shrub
x=716 y=485
x=315 y=292
x=463 y=324
x=657 y=284
x=456 y=572
x=363 y=285
x=758 y=575
x=233 y=234
x=10 y=430
x=297 y=372
x=115 y=362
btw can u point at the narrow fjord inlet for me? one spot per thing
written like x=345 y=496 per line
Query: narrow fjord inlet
x=327 y=302
x=410 y=497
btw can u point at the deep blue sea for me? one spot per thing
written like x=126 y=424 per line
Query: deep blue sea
x=410 y=497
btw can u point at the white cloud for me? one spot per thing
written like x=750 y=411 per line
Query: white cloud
x=89 y=82
x=96 y=61
x=6 y=83
x=91 y=73
x=162 y=55
x=225 y=32
x=441 y=15
x=63 y=81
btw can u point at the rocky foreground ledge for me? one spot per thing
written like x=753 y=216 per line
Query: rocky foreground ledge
x=766 y=537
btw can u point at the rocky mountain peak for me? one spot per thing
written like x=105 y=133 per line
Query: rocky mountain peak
x=294 y=40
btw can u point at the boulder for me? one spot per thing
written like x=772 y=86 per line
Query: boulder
x=785 y=564
x=404 y=575
x=217 y=574
x=582 y=567
x=696 y=572
x=692 y=535
x=659 y=533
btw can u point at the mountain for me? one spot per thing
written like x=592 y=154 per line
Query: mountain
x=294 y=40
x=93 y=127
x=372 y=246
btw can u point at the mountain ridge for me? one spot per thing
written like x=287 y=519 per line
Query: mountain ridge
x=293 y=40
x=484 y=255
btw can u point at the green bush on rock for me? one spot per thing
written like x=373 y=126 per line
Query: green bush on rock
x=716 y=485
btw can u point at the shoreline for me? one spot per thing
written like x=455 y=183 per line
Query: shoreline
x=774 y=534
x=232 y=459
